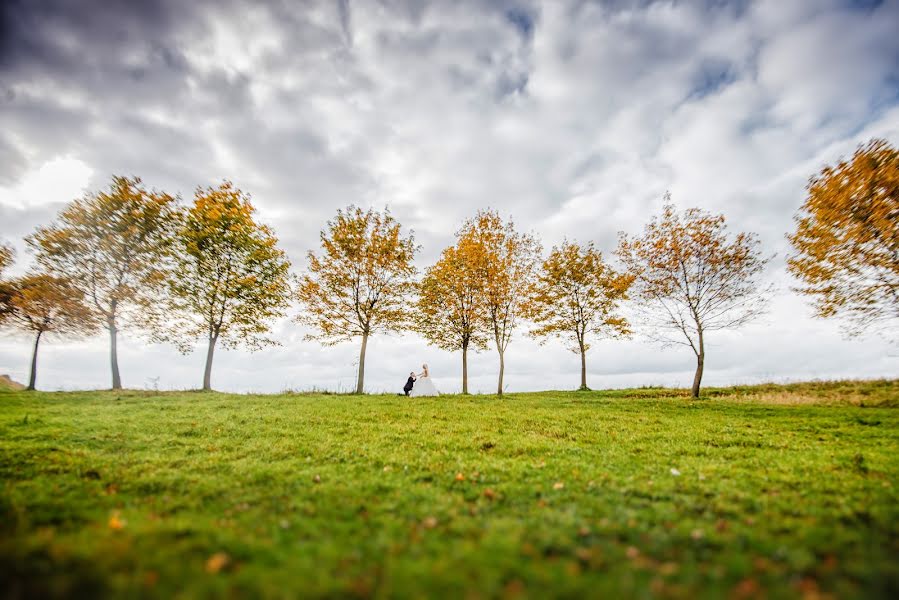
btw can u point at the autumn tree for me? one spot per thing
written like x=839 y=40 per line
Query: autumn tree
x=576 y=294
x=847 y=239
x=506 y=270
x=450 y=310
x=6 y=259
x=230 y=279
x=42 y=304
x=112 y=247
x=691 y=278
x=359 y=285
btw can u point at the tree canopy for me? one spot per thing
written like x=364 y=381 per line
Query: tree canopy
x=575 y=294
x=229 y=280
x=692 y=277
x=361 y=282
x=43 y=304
x=112 y=246
x=846 y=240
x=509 y=259
x=450 y=309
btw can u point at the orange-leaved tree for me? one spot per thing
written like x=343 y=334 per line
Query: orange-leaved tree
x=113 y=246
x=576 y=294
x=509 y=261
x=230 y=279
x=43 y=304
x=360 y=284
x=691 y=277
x=6 y=259
x=450 y=310
x=847 y=240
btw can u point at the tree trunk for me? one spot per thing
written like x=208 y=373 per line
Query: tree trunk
x=207 y=373
x=465 y=368
x=700 y=363
x=114 y=353
x=360 y=380
x=33 y=378
x=502 y=368
x=583 y=367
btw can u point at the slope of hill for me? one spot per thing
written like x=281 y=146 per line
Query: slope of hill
x=7 y=384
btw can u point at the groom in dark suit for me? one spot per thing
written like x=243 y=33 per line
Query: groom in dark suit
x=410 y=383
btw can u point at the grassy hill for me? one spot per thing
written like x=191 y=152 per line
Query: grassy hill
x=784 y=491
x=8 y=385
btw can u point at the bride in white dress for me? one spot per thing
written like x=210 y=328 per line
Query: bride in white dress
x=423 y=384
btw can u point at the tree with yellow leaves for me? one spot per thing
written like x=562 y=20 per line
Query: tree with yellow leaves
x=450 y=310
x=847 y=240
x=42 y=304
x=691 y=278
x=575 y=294
x=6 y=259
x=506 y=268
x=230 y=279
x=112 y=246
x=360 y=284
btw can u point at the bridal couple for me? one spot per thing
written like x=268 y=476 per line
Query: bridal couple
x=420 y=384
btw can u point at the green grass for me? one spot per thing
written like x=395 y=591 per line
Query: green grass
x=783 y=491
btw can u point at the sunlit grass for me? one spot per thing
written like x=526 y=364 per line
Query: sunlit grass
x=625 y=493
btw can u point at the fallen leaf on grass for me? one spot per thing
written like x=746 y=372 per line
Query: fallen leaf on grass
x=513 y=589
x=558 y=485
x=668 y=568
x=217 y=562
x=748 y=588
x=489 y=494
x=116 y=522
x=430 y=522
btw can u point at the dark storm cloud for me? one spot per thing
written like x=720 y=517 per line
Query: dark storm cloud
x=66 y=39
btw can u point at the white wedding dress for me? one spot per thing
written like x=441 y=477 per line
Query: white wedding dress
x=424 y=387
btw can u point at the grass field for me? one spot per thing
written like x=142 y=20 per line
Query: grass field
x=776 y=491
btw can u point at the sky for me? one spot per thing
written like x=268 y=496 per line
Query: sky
x=571 y=117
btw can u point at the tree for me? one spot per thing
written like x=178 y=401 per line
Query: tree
x=112 y=246
x=691 y=277
x=229 y=279
x=576 y=294
x=42 y=304
x=508 y=265
x=450 y=308
x=847 y=239
x=360 y=284
x=6 y=259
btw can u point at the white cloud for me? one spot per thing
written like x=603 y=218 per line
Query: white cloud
x=56 y=181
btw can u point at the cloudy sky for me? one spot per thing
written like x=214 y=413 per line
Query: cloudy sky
x=572 y=117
